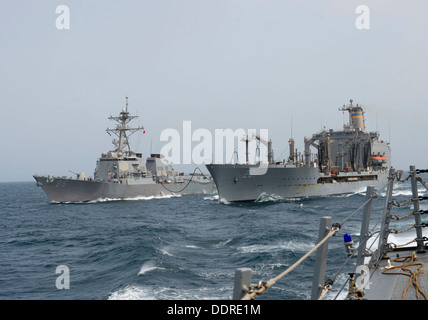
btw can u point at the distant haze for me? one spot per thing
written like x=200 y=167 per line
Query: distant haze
x=251 y=64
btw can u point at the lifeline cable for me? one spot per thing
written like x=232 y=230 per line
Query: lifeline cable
x=193 y=174
x=265 y=285
x=335 y=228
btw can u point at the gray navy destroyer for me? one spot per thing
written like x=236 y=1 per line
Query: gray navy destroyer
x=345 y=161
x=122 y=174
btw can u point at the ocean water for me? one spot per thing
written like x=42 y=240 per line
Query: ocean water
x=176 y=248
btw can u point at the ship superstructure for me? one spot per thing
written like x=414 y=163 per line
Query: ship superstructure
x=344 y=161
x=122 y=173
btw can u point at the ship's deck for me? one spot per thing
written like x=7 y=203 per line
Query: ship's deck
x=393 y=283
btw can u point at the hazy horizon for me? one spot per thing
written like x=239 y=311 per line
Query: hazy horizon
x=251 y=64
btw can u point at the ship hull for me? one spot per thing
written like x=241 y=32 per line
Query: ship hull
x=235 y=183
x=60 y=190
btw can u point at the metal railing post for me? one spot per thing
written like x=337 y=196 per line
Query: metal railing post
x=365 y=225
x=386 y=218
x=242 y=283
x=416 y=208
x=321 y=259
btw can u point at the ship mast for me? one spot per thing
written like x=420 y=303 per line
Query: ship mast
x=121 y=129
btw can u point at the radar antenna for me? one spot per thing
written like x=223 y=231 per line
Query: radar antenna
x=122 y=128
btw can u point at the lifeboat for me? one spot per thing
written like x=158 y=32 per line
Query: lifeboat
x=379 y=159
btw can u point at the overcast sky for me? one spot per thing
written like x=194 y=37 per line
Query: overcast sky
x=217 y=63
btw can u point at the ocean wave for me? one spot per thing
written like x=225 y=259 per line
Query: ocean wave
x=131 y=293
x=398 y=190
x=406 y=238
x=191 y=246
x=165 y=196
x=264 y=197
x=165 y=251
x=402 y=192
x=282 y=246
x=361 y=191
x=135 y=292
x=221 y=243
x=198 y=244
x=149 y=266
x=224 y=201
x=272 y=266
x=212 y=198
x=101 y=200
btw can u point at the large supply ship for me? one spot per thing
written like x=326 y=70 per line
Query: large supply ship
x=122 y=174
x=345 y=161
